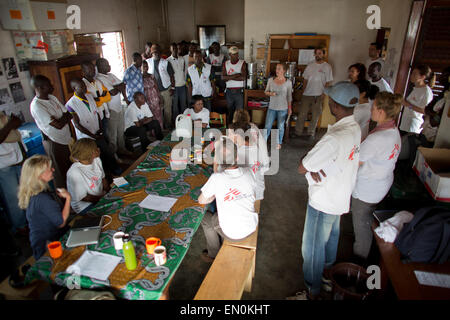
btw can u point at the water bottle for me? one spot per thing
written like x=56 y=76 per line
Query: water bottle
x=129 y=253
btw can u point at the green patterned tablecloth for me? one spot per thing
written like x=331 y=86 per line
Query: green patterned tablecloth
x=175 y=228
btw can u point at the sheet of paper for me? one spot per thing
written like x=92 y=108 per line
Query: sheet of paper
x=95 y=265
x=305 y=56
x=120 y=182
x=433 y=279
x=163 y=204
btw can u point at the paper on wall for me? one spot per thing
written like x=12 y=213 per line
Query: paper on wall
x=305 y=56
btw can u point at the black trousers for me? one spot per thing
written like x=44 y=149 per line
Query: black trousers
x=141 y=132
x=109 y=162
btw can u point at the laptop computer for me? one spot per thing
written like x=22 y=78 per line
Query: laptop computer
x=85 y=231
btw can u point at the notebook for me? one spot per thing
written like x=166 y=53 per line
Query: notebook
x=85 y=231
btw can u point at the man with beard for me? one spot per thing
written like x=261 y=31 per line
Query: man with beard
x=317 y=76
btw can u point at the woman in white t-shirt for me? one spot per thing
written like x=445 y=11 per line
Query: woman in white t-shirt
x=377 y=157
x=249 y=155
x=86 y=180
x=198 y=112
x=421 y=95
x=362 y=111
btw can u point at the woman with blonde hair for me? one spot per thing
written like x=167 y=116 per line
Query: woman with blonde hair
x=86 y=180
x=45 y=217
x=377 y=157
x=279 y=89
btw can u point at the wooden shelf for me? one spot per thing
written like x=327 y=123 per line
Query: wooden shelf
x=276 y=51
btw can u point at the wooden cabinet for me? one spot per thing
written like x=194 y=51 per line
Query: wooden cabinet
x=285 y=48
x=61 y=72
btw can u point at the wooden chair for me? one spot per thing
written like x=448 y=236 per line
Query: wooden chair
x=217 y=120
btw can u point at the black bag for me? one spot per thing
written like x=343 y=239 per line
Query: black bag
x=427 y=237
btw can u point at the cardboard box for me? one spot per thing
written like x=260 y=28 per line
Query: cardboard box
x=432 y=165
x=88 y=44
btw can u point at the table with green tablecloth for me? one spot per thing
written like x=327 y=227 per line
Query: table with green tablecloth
x=175 y=228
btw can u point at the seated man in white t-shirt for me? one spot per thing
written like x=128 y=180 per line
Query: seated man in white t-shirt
x=198 y=112
x=234 y=190
x=375 y=50
x=86 y=180
x=375 y=78
x=139 y=120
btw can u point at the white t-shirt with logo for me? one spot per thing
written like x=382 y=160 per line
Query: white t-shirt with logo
x=412 y=120
x=379 y=153
x=382 y=85
x=134 y=114
x=234 y=190
x=83 y=180
x=337 y=154
x=202 y=115
x=249 y=156
x=362 y=114
x=317 y=74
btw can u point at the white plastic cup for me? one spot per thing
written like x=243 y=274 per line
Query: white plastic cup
x=160 y=256
x=118 y=242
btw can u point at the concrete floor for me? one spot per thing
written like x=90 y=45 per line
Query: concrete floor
x=278 y=257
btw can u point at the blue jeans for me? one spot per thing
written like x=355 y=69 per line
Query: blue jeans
x=280 y=116
x=235 y=101
x=179 y=101
x=9 y=185
x=319 y=246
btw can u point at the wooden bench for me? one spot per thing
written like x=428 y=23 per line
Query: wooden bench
x=231 y=272
x=229 y=275
x=30 y=292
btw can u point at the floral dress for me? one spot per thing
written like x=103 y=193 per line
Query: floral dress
x=153 y=97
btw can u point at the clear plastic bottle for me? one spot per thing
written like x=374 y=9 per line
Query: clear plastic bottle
x=129 y=253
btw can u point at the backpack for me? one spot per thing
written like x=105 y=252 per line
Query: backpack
x=427 y=237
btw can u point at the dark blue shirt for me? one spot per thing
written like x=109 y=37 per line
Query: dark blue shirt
x=44 y=217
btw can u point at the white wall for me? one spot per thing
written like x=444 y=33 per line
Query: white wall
x=395 y=15
x=343 y=20
x=185 y=15
x=138 y=20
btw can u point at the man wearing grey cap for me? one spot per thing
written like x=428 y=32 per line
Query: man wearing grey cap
x=234 y=74
x=330 y=168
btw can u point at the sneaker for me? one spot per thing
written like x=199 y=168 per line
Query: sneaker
x=204 y=256
x=327 y=285
x=302 y=295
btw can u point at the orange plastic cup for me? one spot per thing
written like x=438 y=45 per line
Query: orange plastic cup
x=151 y=243
x=55 y=249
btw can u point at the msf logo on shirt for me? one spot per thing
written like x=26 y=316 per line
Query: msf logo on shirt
x=354 y=151
x=94 y=181
x=394 y=151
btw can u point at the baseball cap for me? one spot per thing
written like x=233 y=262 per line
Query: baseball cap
x=233 y=50
x=345 y=93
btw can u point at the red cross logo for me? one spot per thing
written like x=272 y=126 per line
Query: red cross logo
x=394 y=151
